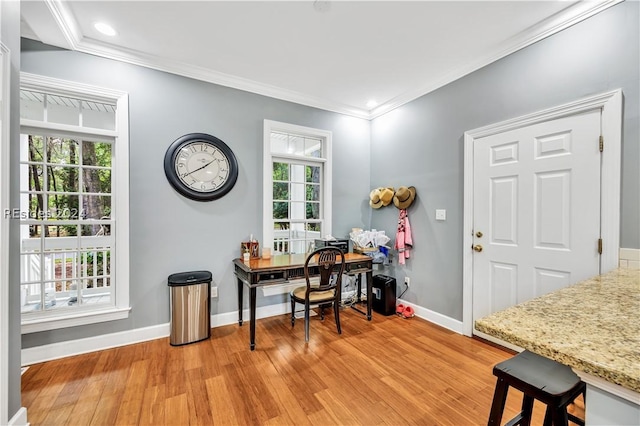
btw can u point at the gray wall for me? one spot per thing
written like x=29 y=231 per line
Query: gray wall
x=170 y=233
x=10 y=13
x=421 y=143
x=418 y=144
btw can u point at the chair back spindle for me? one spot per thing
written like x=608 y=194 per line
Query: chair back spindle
x=326 y=261
x=329 y=262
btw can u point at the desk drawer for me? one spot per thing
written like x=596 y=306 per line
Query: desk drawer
x=354 y=268
x=271 y=276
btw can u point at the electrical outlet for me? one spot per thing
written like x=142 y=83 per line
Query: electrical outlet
x=407 y=281
x=214 y=291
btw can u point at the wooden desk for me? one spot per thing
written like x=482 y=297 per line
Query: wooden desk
x=281 y=269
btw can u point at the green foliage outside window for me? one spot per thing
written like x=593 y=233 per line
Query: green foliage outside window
x=281 y=194
x=63 y=168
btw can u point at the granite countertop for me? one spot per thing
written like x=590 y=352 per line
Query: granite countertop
x=592 y=326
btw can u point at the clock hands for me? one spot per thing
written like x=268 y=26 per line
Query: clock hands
x=206 y=182
x=199 y=168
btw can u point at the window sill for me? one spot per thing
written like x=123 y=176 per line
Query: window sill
x=52 y=322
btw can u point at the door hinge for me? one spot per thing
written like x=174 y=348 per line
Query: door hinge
x=601 y=143
x=599 y=245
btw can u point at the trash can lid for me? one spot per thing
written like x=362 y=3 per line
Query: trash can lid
x=186 y=278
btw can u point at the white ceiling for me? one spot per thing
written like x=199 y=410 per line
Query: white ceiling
x=335 y=55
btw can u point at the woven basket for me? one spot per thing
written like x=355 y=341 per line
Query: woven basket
x=363 y=250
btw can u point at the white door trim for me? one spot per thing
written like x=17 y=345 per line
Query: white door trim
x=4 y=233
x=611 y=105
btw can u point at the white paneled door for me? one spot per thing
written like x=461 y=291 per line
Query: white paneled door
x=536 y=215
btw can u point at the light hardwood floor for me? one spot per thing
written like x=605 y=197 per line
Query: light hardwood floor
x=390 y=371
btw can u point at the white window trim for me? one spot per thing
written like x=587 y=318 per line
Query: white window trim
x=267 y=181
x=120 y=176
x=5 y=106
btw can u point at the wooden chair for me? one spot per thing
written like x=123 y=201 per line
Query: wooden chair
x=537 y=377
x=327 y=292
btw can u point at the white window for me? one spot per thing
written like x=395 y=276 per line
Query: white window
x=74 y=208
x=297 y=186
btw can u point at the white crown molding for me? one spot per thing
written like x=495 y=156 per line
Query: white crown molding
x=70 y=29
x=203 y=74
x=67 y=24
x=78 y=42
x=568 y=17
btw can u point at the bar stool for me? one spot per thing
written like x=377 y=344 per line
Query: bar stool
x=540 y=378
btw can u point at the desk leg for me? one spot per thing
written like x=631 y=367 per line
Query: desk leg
x=369 y=294
x=240 y=291
x=252 y=318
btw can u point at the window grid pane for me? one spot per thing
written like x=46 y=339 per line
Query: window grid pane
x=58 y=273
x=296 y=145
x=297 y=200
x=296 y=205
x=66 y=110
x=66 y=197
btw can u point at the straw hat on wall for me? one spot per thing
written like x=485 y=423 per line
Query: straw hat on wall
x=386 y=196
x=380 y=197
x=374 y=199
x=404 y=197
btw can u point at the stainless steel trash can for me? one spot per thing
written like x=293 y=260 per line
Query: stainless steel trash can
x=190 y=305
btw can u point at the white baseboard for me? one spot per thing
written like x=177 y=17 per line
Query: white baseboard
x=435 y=317
x=20 y=418
x=91 y=344
x=629 y=258
x=261 y=312
x=107 y=341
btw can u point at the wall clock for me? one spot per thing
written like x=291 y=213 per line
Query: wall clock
x=200 y=167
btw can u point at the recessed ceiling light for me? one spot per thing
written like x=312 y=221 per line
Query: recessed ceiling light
x=372 y=104
x=105 y=29
x=322 y=6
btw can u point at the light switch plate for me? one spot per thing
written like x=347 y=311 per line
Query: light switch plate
x=214 y=292
x=441 y=214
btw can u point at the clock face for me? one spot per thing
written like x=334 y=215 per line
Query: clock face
x=201 y=167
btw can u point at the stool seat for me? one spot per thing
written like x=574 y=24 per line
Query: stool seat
x=537 y=377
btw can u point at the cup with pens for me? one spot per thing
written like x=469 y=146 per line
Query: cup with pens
x=250 y=249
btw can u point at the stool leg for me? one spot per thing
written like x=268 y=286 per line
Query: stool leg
x=548 y=417
x=560 y=417
x=499 y=399
x=527 y=410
